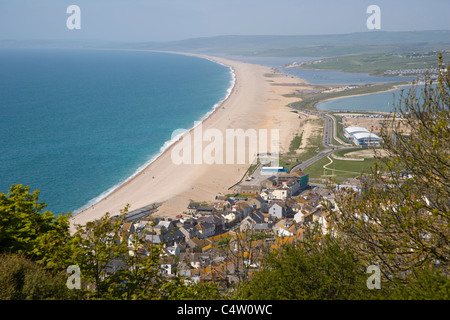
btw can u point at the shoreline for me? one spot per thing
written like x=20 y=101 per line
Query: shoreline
x=251 y=96
x=167 y=144
x=394 y=88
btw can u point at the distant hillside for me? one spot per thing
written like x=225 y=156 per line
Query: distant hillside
x=313 y=45
x=281 y=46
x=411 y=64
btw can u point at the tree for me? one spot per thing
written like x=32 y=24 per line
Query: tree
x=140 y=274
x=96 y=249
x=116 y=264
x=245 y=250
x=320 y=267
x=400 y=221
x=26 y=228
x=23 y=279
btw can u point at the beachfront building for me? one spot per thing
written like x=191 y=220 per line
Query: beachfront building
x=361 y=136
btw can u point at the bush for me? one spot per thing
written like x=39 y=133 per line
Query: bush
x=23 y=279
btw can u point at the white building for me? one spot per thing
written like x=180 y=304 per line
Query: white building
x=277 y=210
x=361 y=136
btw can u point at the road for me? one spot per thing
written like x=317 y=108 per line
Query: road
x=329 y=133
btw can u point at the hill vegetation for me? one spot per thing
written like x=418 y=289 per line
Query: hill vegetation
x=381 y=64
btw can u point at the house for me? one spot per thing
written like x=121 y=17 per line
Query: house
x=173 y=250
x=222 y=205
x=277 y=210
x=167 y=225
x=298 y=217
x=309 y=213
x=153 y=238
x=280 y=193
x=175 y=237
x=162 y=227
x=189 y=231
x=196 y=243
x=264 y=217
x=266 y=194
x=167 y=265
x=242 y=210
x=185 y=220
x=128 y=227
x=247 y=224
x=269 y=182
x=294 y=205
x=260 y=227
x=288 y=228
x=299 y=177
x=192 y=208
x=205 y=210
x=205 y=229
x=258 y=203
x=319 y=216
x=230 y=215
x=216 y=219
x=252 y=189
x=189 y=260
x=251 y=220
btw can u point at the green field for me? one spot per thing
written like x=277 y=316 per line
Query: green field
x=339 y=170
x=377 y=64
x=314 y=145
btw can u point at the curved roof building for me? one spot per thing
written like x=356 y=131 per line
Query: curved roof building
x=361 y=136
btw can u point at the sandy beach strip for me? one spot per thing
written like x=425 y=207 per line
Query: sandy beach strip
x=257 y=101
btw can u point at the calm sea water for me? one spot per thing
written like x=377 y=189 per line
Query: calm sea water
x=317 y=77
x=333 y=77
x=374 y=102
x=76 y=123
x=384 y=101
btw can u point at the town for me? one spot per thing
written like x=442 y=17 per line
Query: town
x=223 y=241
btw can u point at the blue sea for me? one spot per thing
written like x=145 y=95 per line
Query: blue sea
x=75 y=124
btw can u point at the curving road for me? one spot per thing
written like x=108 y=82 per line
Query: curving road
x=329 y=133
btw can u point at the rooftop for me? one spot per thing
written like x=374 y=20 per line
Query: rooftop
x=352 y=130
x=366 y=135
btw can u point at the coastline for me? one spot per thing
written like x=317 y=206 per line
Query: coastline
x=394 y=88
x=167 y=144
x=174 y=185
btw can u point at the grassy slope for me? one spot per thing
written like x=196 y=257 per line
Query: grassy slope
x=353 y=168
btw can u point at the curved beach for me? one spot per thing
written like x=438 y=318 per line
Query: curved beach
x=257 y=101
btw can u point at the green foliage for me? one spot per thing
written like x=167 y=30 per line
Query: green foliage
x=26 y=228
x=402 y=224
x=295 y=143
x=428 y=284
x=377 y=64
x=319 y=268
x=23 y=279
x=115 y=265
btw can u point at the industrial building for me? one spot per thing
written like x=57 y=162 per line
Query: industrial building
x=361 y=136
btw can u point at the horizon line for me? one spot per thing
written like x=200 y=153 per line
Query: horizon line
x=226 y=35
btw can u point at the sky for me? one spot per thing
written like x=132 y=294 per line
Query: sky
x=168 y=20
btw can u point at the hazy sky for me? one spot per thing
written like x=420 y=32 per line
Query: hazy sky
x=165 y=20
